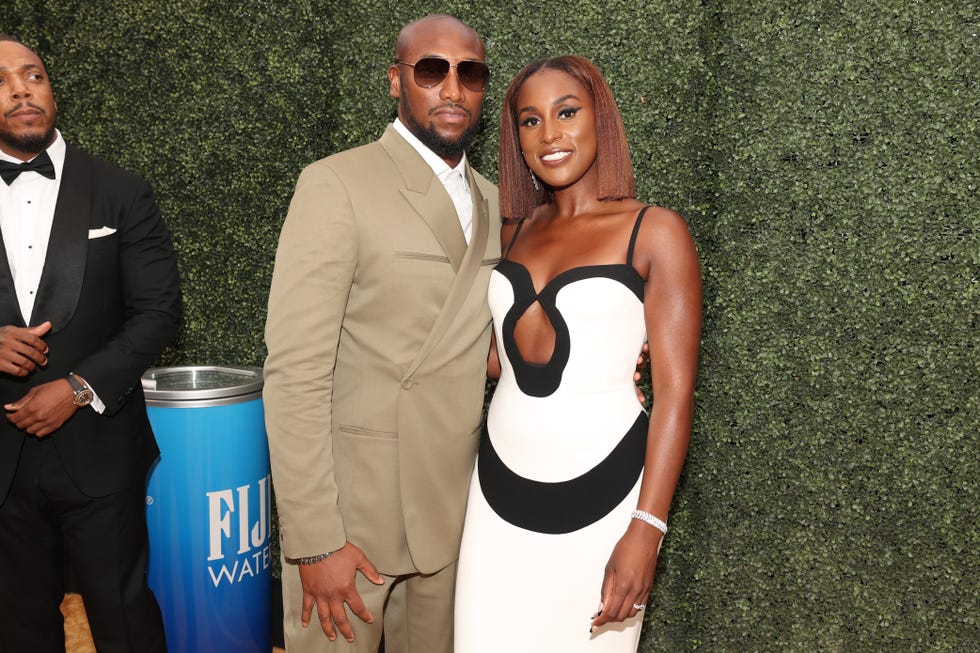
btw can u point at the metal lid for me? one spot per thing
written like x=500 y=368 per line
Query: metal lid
x=194 y=383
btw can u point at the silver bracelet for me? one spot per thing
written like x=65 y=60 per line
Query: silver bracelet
x=312 y=560
x=646 y=517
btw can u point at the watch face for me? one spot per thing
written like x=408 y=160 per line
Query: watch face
x=83 y=397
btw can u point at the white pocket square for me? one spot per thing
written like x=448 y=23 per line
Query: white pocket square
x=101 y=232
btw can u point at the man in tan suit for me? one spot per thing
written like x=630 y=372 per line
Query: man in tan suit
x=378 y=333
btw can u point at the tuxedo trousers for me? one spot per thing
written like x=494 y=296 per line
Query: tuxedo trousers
x=46 y=522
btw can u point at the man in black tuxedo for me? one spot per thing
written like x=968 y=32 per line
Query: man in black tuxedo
x=89 y=297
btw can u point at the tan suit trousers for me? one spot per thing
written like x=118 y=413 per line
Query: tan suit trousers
x=415 y=613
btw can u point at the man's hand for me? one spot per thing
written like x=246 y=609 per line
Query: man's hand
x=329 y=584
x=21 y=349
x=43 y=409
x=642 y=363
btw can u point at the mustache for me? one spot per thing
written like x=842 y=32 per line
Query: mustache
x=24 y=105
x=454 y=106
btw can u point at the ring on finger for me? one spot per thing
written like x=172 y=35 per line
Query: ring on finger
x=639 y=606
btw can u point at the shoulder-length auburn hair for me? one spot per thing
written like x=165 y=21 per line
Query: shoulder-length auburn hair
x=615 y=170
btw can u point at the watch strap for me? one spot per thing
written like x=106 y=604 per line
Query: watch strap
x=76 y=385
x=83 y=393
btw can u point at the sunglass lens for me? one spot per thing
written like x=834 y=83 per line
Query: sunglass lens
x=473 y=75
x=430 y=71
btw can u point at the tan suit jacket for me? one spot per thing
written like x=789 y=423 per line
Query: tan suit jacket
x=378 y=332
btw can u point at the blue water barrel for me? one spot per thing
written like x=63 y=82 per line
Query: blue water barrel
x=208 y=505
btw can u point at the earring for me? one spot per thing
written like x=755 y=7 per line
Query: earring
x=534 y=180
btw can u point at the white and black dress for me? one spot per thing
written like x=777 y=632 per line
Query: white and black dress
x=559 y=467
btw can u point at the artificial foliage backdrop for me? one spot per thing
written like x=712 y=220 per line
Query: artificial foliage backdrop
x=825 y=155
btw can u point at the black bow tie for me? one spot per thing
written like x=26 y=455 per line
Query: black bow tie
x=41 y=164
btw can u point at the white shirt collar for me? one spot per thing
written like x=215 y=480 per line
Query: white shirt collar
x=439 y=167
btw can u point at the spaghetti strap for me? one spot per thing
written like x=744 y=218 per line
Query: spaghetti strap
x=514 y=237
x=636 y=230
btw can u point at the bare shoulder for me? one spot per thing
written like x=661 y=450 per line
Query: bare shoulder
x=665 y=227
x=661 y=219
x=508 y=227
x=664 y=239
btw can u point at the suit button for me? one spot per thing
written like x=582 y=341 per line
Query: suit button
x=408 y=384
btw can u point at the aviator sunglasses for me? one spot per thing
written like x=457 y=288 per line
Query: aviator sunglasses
x=430 y=71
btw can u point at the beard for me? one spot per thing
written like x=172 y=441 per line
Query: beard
x=33 y=142
x=443 y=147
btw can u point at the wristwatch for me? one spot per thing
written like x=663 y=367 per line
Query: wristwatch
x=83 y=393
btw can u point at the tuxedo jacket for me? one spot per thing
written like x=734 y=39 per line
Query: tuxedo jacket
x=378 y=332
x=113 y=300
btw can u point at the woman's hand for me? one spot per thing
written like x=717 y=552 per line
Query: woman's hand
x=629 y=574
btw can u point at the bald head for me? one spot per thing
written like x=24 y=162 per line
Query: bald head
x=433 y=101
x=420 y=31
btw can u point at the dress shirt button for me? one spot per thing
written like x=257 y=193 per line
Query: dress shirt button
x=408 y=384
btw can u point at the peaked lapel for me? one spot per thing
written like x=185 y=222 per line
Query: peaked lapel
x=64 y=262
x=465 y=276
x=481 y=210
x=428 y=197
x=9 y=306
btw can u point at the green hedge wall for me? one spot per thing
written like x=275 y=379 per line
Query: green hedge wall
x=835 y=488
x=825 y=154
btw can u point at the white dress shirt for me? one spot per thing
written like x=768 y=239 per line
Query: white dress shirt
x=453 y=179
x=26 y=216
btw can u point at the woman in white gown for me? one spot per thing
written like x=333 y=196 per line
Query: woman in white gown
x=569 y=498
